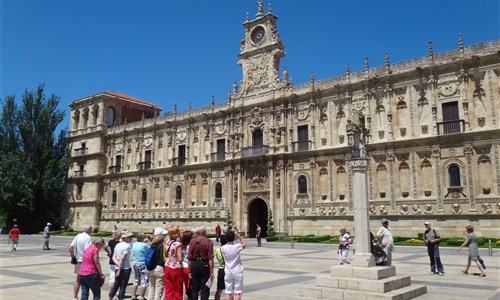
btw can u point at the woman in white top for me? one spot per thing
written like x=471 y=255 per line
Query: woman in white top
x=233 y=268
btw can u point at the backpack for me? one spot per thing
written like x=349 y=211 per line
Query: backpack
x=150 y=259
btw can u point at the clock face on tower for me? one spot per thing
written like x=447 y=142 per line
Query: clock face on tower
x=258 y=35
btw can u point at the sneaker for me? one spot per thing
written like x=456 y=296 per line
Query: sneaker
x=441 y=273
x=433 y=273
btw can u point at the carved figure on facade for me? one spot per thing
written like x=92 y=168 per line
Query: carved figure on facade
x=486 y=208
x=404 y=209
x=278 y=186
x=257 y=182
x=416 y=209
x=372 y=209
x=341 y=210
x=428 y=209
x=383 y=210
x=456 y=209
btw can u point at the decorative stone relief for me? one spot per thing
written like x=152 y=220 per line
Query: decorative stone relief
x=383 y=210
x=428 y=209
x=456 y=209
x=341 y=210
x=486 y=208
x=448 y=89
x=404 y=210
x=416 y=209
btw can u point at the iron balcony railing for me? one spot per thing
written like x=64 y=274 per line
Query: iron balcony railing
x=114 y=169
x=144 y=165
x=79 y=174
x=80 y=151
x=218 y=156
x=178 y=161
x=254 y=151
x=301 y=146
x=451 y=127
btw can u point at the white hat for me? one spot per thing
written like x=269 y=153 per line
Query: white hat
x=159 y=231
x=384 y=220
x=126 y=234
x=427 y=223
x=48 y=224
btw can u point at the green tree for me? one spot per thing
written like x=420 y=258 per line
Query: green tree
x=33 y=161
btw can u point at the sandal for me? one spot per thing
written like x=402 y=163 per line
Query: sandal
x=482 y=275
x=465 y=272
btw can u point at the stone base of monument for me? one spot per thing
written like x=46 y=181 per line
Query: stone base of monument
x=352 y=282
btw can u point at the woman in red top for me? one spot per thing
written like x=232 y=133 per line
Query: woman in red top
x=90 y=273
x=14 y=237
x=173 y=266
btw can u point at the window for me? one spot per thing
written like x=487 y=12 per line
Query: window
x=454 y=173
x=302 y=185
x=79 y=189
x=181 y=159
x=303 y=138
x=451 y=118
x=113 y=198
x=96 y=115
x=218 y=190
x=110 y=117
x=178 y=193
x=221 y=149
x=144 y=196
x=257 y=138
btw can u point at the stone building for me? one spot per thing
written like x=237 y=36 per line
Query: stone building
x=433 y=128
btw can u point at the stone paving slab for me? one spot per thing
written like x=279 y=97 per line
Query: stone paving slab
x=274 y=271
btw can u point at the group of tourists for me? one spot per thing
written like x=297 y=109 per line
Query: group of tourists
x=170 y=264
x=385 y=243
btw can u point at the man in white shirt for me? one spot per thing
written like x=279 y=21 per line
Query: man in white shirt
x=81 y=242
x=384 y=238
x=121 y=257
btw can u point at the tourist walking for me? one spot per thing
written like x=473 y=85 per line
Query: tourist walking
x=218 y=232
x=233 y=268
x=141 y=273
x=79 y=244
x=471 y=242
x=344 y=244
x=46 y=236
x=258 y=235
x=156 y=276
x=90 y=273
x=173 y=266
x=201 y=264
x=384 y=238
x=432 y=239
x=14 y=237
x=121 y=258
x=110 y=249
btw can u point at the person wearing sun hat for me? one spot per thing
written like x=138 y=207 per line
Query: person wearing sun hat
x=384 y=238
x=46 y=236
x=121 y=257
x=156 y=282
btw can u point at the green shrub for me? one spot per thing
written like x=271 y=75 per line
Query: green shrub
x=498 y=243
x=416 y=242
x=398 y=239
x=335 y=239
x=420 y=236
x=272 y=238
x=481 y=241
x=454 y=241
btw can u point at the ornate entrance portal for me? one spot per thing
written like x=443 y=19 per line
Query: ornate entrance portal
x=257 y=214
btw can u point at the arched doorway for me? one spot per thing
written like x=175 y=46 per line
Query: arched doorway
x=257 y=213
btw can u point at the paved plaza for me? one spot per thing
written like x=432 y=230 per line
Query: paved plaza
x=274 y=271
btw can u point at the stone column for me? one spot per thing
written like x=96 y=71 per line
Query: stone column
x=359 y=167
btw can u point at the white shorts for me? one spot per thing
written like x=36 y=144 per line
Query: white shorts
x=112 y=270
x=234 y=283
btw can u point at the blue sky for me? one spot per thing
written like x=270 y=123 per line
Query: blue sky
x=176 y=52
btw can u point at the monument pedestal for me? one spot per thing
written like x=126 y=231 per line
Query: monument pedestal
x=353 y=282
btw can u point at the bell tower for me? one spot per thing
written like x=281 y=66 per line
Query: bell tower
x=260 y=53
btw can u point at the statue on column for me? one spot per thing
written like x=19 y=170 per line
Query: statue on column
x=358 y=135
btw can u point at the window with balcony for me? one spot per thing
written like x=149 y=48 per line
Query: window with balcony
x=79 y=190
x=81 y=171
x=302 y=143
x=258 y=148
x=146 y=164
x=302 y=185
x=451 y=119
x=81 y=151
x=220 y=155
x=218 y=190
x=116 y=168
x=180 y=160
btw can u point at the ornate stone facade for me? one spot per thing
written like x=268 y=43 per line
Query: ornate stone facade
x=433 y=147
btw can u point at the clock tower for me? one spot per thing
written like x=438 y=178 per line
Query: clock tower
x=260 y=53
